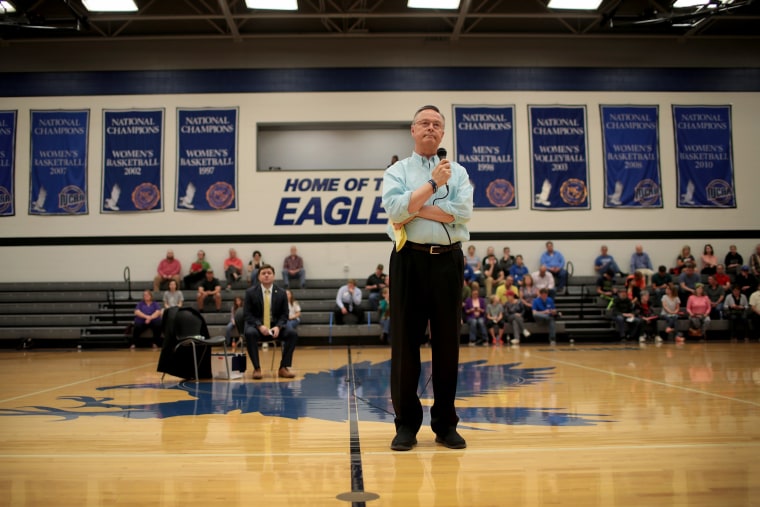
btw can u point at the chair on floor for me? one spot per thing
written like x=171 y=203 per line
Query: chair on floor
x=240 y=323
x=186 y=328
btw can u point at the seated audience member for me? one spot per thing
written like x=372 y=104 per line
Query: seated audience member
x=670 y=312
x=147 y=315
x=660 y=281
x=605 y=262
x=474 y=315
x=723 y=279
x=709 y=260
x=231 y=325
x=640 y=261
x=513 y=315
x=265 y=310
x=518 y=271
x=605 y=285
x=528 y=292
x=467 y=290
x=384 y=310
x=233 y=268
x=473 y=260
x=503 y=290
x=733 y=261
x=698 y=309
x=754 y=262
x=348 y=300
x=545 y=312
x=173 y=297
x=736 y=312
x=209 y=288
x=254 y=265
x=626 y=321
x=684 y=258
x=543 y=279
x=505 y=264
x=634 y=284
x=375 y=285
x=648 y=316
x=717 y=295
x=490 y=269
x=746 y=281
x=687 y=281
x=168 y=269
x=555 y=264
x=294 y=311
x=495 y=319
x=197 y=271
x=754 y=313
x=469 y=274
x=292 y=268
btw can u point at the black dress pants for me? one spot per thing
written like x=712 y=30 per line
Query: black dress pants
x=287 y=336
x=425 y=288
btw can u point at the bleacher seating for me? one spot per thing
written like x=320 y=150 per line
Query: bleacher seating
x=63 y=314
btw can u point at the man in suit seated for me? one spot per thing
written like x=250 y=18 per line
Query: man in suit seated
x=265 y=311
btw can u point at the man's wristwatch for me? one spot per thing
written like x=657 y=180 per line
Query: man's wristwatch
x=433 y=184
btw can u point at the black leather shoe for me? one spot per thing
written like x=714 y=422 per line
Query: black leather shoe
x=403 y=441
x=451 y=439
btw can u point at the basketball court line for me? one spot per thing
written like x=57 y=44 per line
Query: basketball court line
x=641 y=379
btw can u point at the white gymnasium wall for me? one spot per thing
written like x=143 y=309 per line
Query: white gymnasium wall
x=260 y=193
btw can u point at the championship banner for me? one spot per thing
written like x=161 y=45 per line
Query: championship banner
x=59 y=162
x=484 y=138
x=704 y=157
x=559 y=165
x=631 y=157
x=207 y=159
x=7 y=162
x=132 y=160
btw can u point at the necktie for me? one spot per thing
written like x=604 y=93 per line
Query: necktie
x=267 y=309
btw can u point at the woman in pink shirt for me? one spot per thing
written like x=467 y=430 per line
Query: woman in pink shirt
x=709 y=261
x=698 y=307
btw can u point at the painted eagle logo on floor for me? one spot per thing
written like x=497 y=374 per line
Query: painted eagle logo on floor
x=323 y=395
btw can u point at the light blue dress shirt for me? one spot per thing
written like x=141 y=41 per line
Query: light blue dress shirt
x=404 y=177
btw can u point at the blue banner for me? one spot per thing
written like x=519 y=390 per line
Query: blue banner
x=132 y=160
x=484 y=138
x=59 y=162
x=7 y=163
x=207 y=159
x=631 y=157
x=559 y=163
x=704 y=157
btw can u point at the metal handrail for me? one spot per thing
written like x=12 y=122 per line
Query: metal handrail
x=128 y=279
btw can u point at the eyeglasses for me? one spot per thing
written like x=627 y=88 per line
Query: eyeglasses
x=435 y=125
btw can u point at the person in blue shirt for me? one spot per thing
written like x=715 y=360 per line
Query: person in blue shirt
x=428 y=199
x=544 y=312
x=518 y=270
x=606 y=262
x=555 y=264
x=641 y=262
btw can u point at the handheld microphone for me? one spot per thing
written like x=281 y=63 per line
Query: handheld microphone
x=441 y=155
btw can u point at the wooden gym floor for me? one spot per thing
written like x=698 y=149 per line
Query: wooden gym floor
x=590 y=425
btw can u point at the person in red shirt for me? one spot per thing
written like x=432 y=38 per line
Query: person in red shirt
x=233 y=268
x=168 y=269
x=722 y=278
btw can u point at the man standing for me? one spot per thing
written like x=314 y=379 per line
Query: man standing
x=168 y=269
x=429 y=202
x=265 y=312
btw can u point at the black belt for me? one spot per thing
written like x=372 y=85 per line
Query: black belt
x=434 y=249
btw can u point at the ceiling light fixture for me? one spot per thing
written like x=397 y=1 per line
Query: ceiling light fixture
x=577 y=5
x=110 y=5
x=433 y=4
x=6 y=7
x=685 y=4
x=273 y=5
